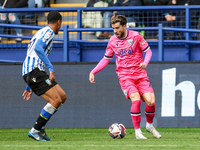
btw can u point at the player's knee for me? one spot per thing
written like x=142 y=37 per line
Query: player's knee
x=64 y=98
x=56 y=101
x=151 y=102
x=134 y=96
x=59 y=101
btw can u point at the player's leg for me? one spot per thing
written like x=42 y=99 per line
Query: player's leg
x=136 y=114
x=55 y=98
x=51 y=92
x=63 y=99
x=61 y=92
x=130 y=91
x=150 y=109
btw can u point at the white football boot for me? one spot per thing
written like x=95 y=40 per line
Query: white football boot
x=140 y=136
x=155 y=133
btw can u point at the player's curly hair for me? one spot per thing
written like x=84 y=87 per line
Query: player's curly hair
x=119 y=18
x=54 y=16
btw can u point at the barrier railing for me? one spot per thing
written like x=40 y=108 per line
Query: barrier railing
x=79 y=28
x=144 y=14
x=160 y=40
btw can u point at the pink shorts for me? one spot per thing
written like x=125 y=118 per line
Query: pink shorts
x=130 y=86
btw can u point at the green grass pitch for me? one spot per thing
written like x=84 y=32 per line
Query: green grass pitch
x=99 y=139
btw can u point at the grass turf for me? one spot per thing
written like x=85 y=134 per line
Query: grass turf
x=99 y=139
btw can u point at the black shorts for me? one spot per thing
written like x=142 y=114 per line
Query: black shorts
x=38 y=81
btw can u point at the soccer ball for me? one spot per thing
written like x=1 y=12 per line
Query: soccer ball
x=117 y=130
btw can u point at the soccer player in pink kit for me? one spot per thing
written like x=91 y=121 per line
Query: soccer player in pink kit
x=128 y=46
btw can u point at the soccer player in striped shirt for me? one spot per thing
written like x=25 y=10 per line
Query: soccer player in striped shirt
x=37 y=80
x=128 y=46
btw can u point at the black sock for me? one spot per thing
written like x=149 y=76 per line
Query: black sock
x=40 y=123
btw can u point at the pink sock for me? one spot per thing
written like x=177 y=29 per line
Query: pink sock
x=136 y=114
x=150 y=112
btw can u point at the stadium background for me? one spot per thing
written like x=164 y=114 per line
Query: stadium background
x=88 y=105
x=94 y=105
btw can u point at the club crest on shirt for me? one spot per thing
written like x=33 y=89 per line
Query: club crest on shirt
x=130 y=42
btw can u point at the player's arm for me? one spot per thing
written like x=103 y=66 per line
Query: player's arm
x=103 y=63
x=39 y=49
x=100 y=66
x=146 y=49
x=27 y=93
x=147 y=58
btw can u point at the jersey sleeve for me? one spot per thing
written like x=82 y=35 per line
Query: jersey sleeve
x=101 y=65
x=144 y=46
x=39 y=49
x=109 y=51
x=40 y=46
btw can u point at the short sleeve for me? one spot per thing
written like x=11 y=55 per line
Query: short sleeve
x=109 y=51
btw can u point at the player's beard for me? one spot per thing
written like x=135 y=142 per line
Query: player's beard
x=122 y=35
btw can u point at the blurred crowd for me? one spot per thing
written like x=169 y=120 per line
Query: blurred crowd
x=99 y=19
x=102 y=19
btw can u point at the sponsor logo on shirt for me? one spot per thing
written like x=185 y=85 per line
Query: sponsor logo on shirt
x=125 y=52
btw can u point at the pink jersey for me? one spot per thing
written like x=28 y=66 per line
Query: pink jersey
x=129 y=55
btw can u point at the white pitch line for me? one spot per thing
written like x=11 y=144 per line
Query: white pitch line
x=92 y=145
x=132 y=145
x=95 y=145
x=39 y=145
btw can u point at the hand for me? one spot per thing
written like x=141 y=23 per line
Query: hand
x=114 y=12
x=3 y=16
x=91 y=78
x=52 y=76
x=170 y=18
x=27 y=94
x=174 y=2
x=143 y=66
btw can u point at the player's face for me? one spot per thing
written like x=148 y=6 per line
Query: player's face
x=119 y=30
x=59 y=22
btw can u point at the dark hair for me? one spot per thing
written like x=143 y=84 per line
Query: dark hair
x=54 y=16
x=119 y=18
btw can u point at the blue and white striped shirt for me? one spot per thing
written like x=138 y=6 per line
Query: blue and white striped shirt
x=38 y=50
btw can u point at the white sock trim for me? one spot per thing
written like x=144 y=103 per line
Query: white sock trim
x=49 y=108
x=149 y=125
x=137 y=131
x=34 y=130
